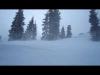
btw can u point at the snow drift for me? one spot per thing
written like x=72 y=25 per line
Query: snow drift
x=73 y=51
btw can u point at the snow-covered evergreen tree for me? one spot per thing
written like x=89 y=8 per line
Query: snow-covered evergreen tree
x=62 y=34
x=95 y=28
x=45 y=28
x=54 y=23
x=69 y=33
x=34 y=31
x=16 y=32
x=30 y=33
x=51 y=25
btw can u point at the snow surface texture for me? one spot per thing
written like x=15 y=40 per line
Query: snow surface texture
x=73 y=51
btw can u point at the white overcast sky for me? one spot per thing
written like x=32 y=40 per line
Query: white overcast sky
x=78 y=19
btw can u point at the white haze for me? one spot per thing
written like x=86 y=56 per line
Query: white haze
x=78 y=19
x=78 y=50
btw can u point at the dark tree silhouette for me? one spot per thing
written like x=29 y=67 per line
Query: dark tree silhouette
x=62 y=34
x=45 y=28
x=16 y=32
x=95 y=28
x=51 y=25
x=30 y=33
x=69 y=33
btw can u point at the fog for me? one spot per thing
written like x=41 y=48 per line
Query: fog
x=78 y=19
x=78 y=50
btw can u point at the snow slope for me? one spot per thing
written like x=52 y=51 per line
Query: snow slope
x=74 y=51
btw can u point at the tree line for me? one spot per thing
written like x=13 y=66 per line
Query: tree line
x=51 y=24
x=50 y=27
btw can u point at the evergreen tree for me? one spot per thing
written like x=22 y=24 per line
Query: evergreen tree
x=62 y=34
x=95 y=28
x=54 y=23
x=51 y=25
x=69 y=33
x=45 y=28
x=34 y=31
x=30 y=33
x=16 y=32
x=51 y=17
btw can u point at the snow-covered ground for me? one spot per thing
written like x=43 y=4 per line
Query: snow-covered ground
x=73 y=51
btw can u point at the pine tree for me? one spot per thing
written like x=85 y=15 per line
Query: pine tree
x=51 y=31
x=69 y=33
x=95 y=28
x=16 y=32
x=30 y=33
x=62 y=34
x=45 y=28
x=34 y=31
x=51 y=25
x=54 y=23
